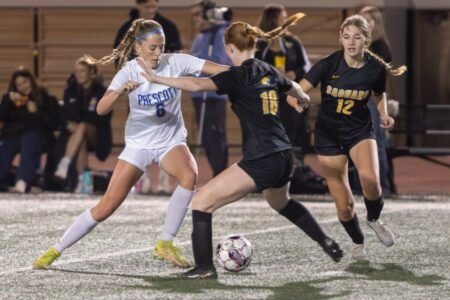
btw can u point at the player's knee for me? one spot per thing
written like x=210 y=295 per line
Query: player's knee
x=81 y=127
x=369 y=180
x=189 y=179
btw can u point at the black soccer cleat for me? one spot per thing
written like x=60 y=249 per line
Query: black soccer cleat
x=332 y=249
x=200 y=272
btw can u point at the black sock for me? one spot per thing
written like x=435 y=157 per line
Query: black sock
x=202 y=238
x=353 y=230
x=295 y=212
x=374 y=208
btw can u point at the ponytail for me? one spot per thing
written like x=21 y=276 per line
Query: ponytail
x=121 y=54
x=256 y=31
x=395 y=72
x=243 y=35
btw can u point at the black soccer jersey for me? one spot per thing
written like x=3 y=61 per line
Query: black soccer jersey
x=254 y=89
x=345 y=91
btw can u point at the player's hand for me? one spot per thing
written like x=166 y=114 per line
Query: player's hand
x=304 y=99
x=128 y=87
x=297 y=104
x=148 y=70
x=386 y=122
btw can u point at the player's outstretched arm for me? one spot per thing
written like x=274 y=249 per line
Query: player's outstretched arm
x=190 y=84
x=211 y=68
x=306 y=85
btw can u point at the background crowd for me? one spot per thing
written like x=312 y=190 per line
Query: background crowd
x=54 y=137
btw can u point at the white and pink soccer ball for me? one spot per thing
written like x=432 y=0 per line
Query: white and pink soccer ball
x=234 y=253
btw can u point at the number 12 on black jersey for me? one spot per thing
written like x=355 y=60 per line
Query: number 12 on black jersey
x=344 y=106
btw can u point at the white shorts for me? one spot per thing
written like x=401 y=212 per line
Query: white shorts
x=142 y=158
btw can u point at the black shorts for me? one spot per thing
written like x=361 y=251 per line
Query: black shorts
x=271 y=171
x=330 y=146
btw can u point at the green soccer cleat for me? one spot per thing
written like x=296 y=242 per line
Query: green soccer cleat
x=165 y=250
x=46 y=259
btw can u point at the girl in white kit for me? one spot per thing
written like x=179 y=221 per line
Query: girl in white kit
x=154 y=132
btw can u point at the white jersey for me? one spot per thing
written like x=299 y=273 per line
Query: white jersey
x=155 y=118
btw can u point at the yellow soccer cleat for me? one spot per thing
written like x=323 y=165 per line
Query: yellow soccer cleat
x=46 y=259
x=167 y=251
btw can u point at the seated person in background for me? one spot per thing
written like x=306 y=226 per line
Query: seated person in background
x=29 y=116
x=82 y=128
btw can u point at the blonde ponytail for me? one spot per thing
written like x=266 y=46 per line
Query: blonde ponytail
x=256 y=31
x=243 y=35
x=122 y=53
x=395 y=72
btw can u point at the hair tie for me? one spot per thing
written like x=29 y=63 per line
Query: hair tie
x=245 y=28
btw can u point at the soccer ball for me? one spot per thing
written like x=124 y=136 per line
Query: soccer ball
x=234 y=253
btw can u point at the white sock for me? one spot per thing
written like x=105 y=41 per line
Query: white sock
x=63 y=167
x=82 y=226
x=176 y=212
x=65 y=161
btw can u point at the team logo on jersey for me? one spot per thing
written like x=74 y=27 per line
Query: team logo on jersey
x=346 y=98
x=265 y=80
x=347 y=94
x=156 y=98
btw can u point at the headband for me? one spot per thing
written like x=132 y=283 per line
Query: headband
x=147 y=34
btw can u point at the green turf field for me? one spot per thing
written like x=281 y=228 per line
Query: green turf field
x=115 y=261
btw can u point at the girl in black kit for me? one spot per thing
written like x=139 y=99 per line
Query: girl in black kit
x=344 y=128
x=254 y=88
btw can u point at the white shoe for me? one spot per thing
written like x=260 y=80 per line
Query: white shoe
x=383 y=233
x=20 y=187
x=359 y=252
x=62 y=170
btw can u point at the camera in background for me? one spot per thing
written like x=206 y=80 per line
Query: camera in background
x=216 y=14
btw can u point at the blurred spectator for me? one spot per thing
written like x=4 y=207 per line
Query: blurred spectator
x=148 y=9
x=210 y=107
x=29 y=115
x=380 y=46
x=288 y=55
x=82 y=129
